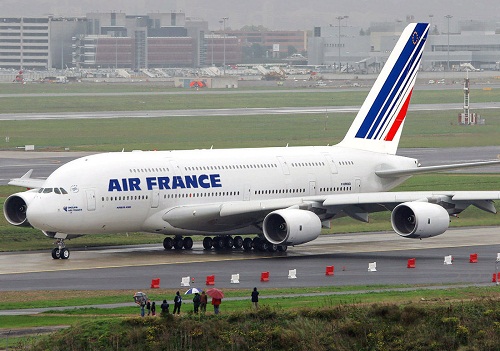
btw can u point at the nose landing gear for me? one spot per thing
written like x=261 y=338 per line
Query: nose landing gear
x=60 y=252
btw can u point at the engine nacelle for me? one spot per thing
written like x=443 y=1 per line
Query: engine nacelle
x=419 y=220
x=15 y=206
x=291 y=227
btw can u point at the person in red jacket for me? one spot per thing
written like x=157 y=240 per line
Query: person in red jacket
x=216 y=303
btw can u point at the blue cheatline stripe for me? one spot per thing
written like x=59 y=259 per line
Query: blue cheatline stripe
x=393 y=80
x=394 y=90
x=395 y=104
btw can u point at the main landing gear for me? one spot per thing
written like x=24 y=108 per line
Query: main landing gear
x=226 y=242
x=60 y=252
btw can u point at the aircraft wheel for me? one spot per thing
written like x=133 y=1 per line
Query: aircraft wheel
x=264 y=245
x=218 y=243
x=282 y=248
x=238 y=242
x=188 y=243
x=168 y=243
x=207 y=243
x=178 y=243
x=64 y=253
x=272 y=247
x=228 y=242
x=256 y=242
x=56 y=253
x=247 y=244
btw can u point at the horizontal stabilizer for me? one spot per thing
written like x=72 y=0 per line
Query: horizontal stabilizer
x=27 y=182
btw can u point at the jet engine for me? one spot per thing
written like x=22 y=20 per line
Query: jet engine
x=419 y=220
x=291 y=227
x=15 y=206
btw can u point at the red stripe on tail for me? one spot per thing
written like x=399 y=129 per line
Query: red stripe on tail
x=399 y=119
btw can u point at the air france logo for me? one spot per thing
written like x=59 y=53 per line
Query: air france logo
x=204 y=181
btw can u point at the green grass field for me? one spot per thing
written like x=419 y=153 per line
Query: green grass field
x=422 y=129
x=188 y=99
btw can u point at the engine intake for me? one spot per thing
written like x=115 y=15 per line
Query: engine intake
x=291 y=227
x=14 y=209
x=419 y=220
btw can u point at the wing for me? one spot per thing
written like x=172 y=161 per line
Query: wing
x=390 y=173
x=233 y=215
x=27 y=182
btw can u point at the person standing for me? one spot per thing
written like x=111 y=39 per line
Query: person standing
x=203 y=302
x=143 y=306
x=216 y=303
x=164 y=308
x=177 y=303
x=255 y=298
x=196 y=302
x=148 y=307
x=153 y=309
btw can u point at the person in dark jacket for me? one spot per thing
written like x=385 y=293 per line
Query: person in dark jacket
x=196 y=302
x=255 y=298
x=164 y=308
x=203 y=302
x=177 y=303
x=153 y=308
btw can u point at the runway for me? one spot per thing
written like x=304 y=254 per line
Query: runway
x=224 y=112
x=350 y=254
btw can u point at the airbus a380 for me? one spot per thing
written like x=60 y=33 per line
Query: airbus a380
x=286 y=194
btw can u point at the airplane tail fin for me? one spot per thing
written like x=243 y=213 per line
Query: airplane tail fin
x=379 y=122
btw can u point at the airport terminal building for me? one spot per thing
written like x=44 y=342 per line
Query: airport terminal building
x=472 y=44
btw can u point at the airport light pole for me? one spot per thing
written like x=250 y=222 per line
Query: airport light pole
x=224 y=19
x=212 y=48
x=448 y=18
x=340 y=18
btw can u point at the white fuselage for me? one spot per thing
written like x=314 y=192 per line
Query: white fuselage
x=131 y=191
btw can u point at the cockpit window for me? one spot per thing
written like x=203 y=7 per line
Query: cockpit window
x=49 y=190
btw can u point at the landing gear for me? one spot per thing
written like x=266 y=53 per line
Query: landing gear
x=222 y=242
x=60 y=252
x=178 y=243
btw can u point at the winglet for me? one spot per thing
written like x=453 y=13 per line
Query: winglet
x=379 y=122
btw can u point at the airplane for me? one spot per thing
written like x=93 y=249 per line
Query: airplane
x=284 y=194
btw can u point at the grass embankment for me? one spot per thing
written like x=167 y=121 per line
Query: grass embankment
x=324 y=325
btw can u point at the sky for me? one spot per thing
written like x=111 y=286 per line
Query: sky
x=272 y=14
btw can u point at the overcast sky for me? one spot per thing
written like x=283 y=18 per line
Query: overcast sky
x=273 y=14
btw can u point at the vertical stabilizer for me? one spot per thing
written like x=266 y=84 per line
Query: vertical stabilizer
x=379 y=122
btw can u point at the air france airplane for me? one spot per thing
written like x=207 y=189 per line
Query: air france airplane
x=286 y=194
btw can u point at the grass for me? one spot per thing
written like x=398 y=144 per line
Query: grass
x=185 y=99
x=423 y=129
x=472 y=308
